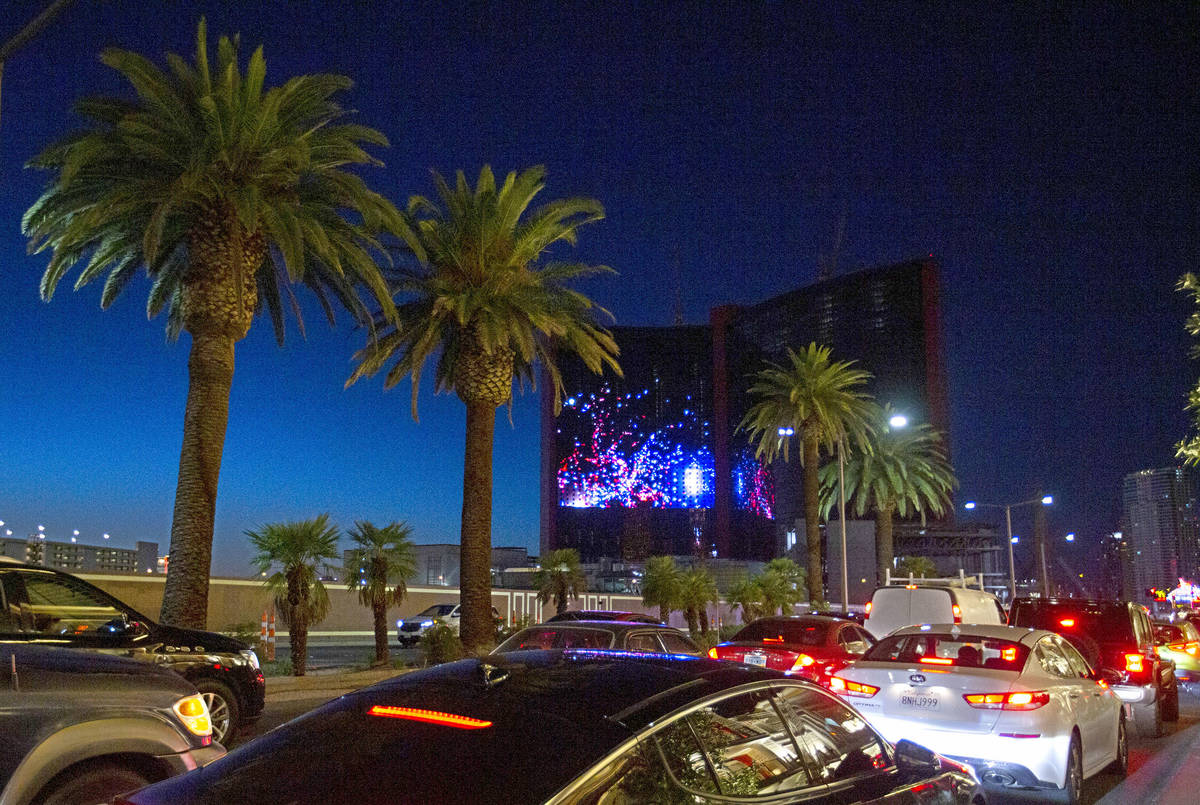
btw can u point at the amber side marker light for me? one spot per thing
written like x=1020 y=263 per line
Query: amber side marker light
x=429 y=717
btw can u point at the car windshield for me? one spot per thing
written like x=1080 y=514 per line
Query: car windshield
x=539 y=637
x=966 y=651
x=1104 y=624
x=437 y=610
x=794 y=632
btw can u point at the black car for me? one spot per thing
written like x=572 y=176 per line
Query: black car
x=576 y=726
x=82 y=727
x=49 y=607
x=1113 y=636
x=621 y=635
x=602 y=615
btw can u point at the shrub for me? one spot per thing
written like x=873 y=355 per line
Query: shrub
x=440 y=644
x=504 y=632
x=277 y=668
x=246 y=631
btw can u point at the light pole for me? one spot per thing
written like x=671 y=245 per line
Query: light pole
x=1008 y=507
x=842 y=520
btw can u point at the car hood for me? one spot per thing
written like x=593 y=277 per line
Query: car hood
x=195 y=639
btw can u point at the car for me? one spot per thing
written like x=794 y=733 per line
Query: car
x=576 y=726
x=602 y=615
x=1179 y=642
x=409 y=631
x=620 y=635
x=1117 y=636
x=44 y=606
x=1020 y=706
x=83 y=727
x=812 y=646
x=930 y=601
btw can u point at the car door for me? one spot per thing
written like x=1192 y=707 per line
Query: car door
x=1061 y=682
x=1098 y=712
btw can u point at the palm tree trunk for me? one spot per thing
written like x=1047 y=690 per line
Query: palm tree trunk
x=664 y=614
x=883 y=543
x=475 y=549
x=298 y=641
x=210 y=376
x=704 y=619
x=692 y=621
x=812 y=521
x=379 y=610
x=560 y=601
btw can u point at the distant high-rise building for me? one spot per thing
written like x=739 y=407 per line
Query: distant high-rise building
x=1161 y=530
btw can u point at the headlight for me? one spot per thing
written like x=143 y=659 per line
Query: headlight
x=399 y=624
x=250 y=657
x=193 y=712
x=426 y=624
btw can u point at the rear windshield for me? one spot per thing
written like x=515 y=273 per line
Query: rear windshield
x=804 y=633
x=1102 y=623
x=965 y=651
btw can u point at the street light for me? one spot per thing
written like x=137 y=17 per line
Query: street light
x=970 y=505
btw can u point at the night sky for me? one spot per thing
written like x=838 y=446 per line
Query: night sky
x=1046 y=158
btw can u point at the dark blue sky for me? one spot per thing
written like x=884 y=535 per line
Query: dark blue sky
x=1046 y=157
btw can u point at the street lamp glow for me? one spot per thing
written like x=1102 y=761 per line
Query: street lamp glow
x=106 y=536
x=786 y=431
x=1015 y=540
x=1049 y=499
x=898 y=421
x=76 y=532
x=1071 y=537
x=970 y=504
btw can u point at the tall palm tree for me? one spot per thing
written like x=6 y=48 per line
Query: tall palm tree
x=697 y=589
x=490 y=305
x=291 y=553
x=379 y=567
x=821 y=401
x=560 y=578
x=225 y=194
x=661 y=586
x=904 y=472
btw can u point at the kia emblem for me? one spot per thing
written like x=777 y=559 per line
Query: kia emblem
x=916 y=678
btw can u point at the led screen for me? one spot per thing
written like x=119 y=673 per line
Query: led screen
x=753 y=485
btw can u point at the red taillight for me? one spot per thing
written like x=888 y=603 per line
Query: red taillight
x=1177 y=646
x=1135 y=663
x=1067 y=622
x=848 y=687
x=1009 y=654
x=1020 y=700
x=773 y=639
x=937 y=661
x=867 y=609
x=430 y=717
x=1192 y=648
x=712 y=652
x=957 y=610
x=802 y=661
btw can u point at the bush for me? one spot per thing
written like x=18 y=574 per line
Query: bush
x=504 y=632
x=277 y=668
x=440 y=644
x=246 y=631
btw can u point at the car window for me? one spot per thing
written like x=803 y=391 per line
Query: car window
x=539 y=637
x=1079 y=666
x=676 y=643
x=970 y=651
x=738 y=746
x=795 y=632
x=1052 y=660
x=633 y=777
x=850 y=640
x=62 y=605
x=642 y=641
x=1141 y=628
x=833 y=738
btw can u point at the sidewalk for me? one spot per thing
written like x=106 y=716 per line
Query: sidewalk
x=332 y=682
x=1170 y=777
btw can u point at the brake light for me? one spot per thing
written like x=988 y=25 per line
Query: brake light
x=957 y=610
x=1020 y=700
x=1067 y=622
x=848 y=687
x=803 y=661
x=712 y=652
x=1177 y=646
x=937 y=661
x=1135 y=663
x=867 y=609
x=773 y=639
x=910 y=586
x=1009 y=654
x=1192 y=648
x=430 y=717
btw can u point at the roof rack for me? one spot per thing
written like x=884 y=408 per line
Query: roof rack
x=961 y=580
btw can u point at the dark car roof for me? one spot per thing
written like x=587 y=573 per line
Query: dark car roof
x=579 y=703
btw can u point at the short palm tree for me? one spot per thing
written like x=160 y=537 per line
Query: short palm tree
x=821 y=401
x=745 y=595
x=560 y=578
x=920 y=567
x=292 y=554
x=697 y=589
x=225 y=194
x=784 y=583
x=904 y=472
x=379 y=567
x=488 y=306
x=661 y=586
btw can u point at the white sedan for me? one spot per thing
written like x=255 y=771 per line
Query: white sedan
x=1020 y=706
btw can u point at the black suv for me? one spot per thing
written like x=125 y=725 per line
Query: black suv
x=82 y=727
x=1114 y=636
x=41 y=605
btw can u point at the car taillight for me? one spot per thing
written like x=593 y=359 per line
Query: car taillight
x=802 y=662
x=1135 y=663
x=712 y=652
x=848 y=687
x=430 y=717
x=937 y=661
x=957 y=610
x=1177 y=646
x=867 y=609
x=1192 y=648
x=1020 y=700
x=1067 y=622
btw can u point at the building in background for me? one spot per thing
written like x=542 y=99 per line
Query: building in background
x=1160 y=529
x=78 y=557
x=438 y=564
x=652 y=463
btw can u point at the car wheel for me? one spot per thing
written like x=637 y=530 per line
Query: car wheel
x=1171 y=705
x=1073 y=784
x=1120 y=766
x=222 y=708
x=1148 y=718
x=92 y=783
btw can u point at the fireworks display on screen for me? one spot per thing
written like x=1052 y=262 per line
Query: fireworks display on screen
x=620 y=456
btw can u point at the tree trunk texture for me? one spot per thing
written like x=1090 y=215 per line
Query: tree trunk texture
x=812 y=520
x=379 y=610
x=210 y=376
x=475 y=572
x=883 y=543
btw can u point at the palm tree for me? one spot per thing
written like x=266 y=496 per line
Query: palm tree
x=904 y=472
x=819 y=399
x=490 y=306
x=697 y=590
x=294 y=551
x=225 y=195
x=661 y=586
x=920 y=567
x=746 y=595
x=560 y=578
x=784 y=584
x=379 y=568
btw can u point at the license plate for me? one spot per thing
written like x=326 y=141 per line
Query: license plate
x=919 y=701
x=755 y=659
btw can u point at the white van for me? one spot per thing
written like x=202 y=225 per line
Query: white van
x=931 y=601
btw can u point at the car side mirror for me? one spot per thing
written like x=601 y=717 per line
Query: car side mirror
x=1108 y=676
x=914 y=759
